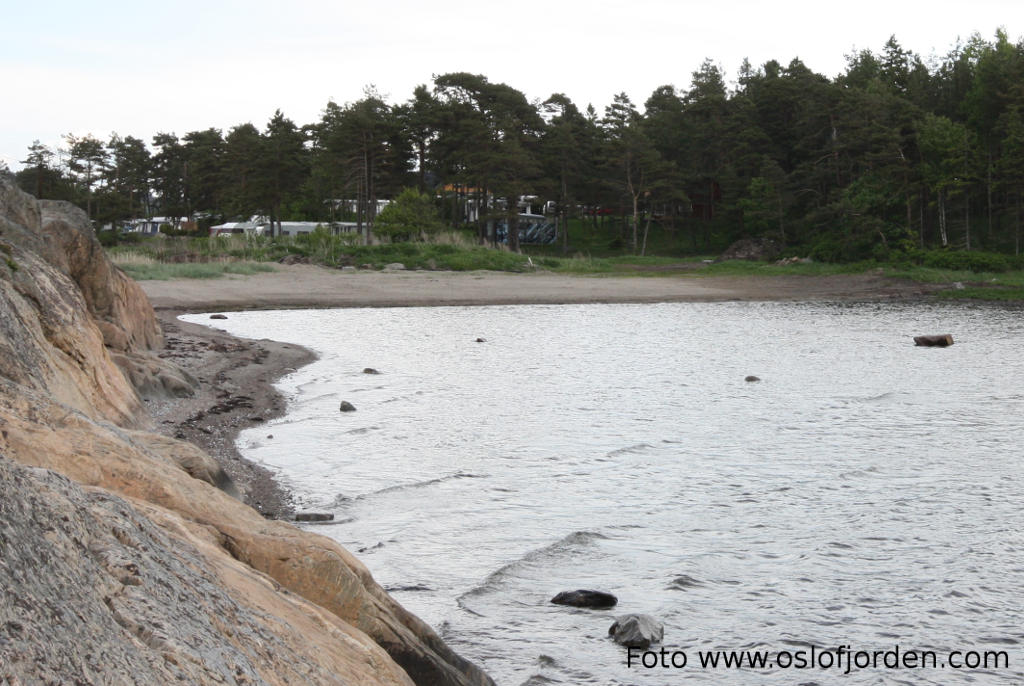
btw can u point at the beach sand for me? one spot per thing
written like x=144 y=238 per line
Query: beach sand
x=299 y=286
x=237 y=376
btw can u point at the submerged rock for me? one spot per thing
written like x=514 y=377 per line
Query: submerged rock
x=637 y=631
x=939 y=341
x=596 y=600
x=314 y=516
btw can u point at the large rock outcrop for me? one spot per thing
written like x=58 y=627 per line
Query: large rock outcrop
x=177 y=580
x=98 y=590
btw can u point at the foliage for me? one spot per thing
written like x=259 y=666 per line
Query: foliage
x=162 y=271
x=410 y=216
x=891 y=152
x=965 y=261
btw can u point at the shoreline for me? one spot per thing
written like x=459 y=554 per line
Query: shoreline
x=235 y=391
x=237 y=376
x=300 y=286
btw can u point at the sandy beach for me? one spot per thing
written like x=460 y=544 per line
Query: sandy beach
x=236 y=376
x=301 y=286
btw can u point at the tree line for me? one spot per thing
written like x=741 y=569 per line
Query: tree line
x=893 y=154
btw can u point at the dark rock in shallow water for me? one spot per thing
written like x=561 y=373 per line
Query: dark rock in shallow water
x=940 y=341
x=218 y=316
x=370 y=370
x=681 y=583
x=346 y=406
x=314 y=517
x=752 y=378
x=481 y=340
x=597 y=600
x=637 y=631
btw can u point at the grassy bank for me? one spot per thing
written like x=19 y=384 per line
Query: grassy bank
x=168 y=258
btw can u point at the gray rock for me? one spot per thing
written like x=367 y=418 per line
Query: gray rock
x=940 y=340
x=370 y=370
x=637 y=631
x=481 y=340
x=346 y=406
x=597 y=600
x=314 y=517
x=395 y=267
x=111 y=594
x=752 y=378
x=218 y=316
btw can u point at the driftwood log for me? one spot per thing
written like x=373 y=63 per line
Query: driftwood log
x=941 y=340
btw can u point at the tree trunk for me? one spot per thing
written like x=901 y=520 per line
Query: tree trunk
x=967 y=219
x=422 y=176
x=942 y=218
x=565 y=213
x=647 y=229
x=359 y=208
x=511 y=219
x=782 y=226
x=922 y=201
x=988 y=190
x=636 y=219
x=1016 y=239
x=367 y=193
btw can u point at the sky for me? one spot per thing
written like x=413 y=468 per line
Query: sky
x=139 y=68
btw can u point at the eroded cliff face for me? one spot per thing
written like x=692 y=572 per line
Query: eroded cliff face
x=133 y=566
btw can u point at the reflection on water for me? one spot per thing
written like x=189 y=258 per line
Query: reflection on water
x=865 y=492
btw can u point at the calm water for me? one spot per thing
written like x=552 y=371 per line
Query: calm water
x=864 y=493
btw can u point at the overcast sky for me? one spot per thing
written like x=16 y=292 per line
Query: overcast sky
x=138 y=68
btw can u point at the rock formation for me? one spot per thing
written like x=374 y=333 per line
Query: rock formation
x=598 y=600
x=637 y=631
x=124 y=558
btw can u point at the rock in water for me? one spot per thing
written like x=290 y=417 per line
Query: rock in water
x=481 y=340
x=939 y=341
x=370 y=370
x=637 y=631
x=596 y=600
x=218 y=316
x=752 y=378
x=314 y=517
x=346 y=406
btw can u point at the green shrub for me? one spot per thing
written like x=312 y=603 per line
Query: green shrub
x=108 y=239
x=411 y=216
x=960 y=260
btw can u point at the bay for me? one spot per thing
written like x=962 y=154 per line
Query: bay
x=864 y=492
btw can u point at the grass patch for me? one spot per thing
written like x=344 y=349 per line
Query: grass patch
x=1011 y=294
x=749 y=268
x=163 y=271
x=206 y=258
